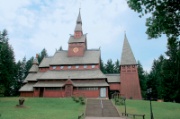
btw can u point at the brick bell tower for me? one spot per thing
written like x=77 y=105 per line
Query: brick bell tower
x=130 y=87
x=77 y=43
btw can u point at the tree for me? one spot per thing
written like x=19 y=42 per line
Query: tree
x=171 y=72
x=42 y=55
x=109 y=67
x=116 y=66
x=28 y=65
x=164 y=17
x=7 y=65
x=102 y=67
x=142 y=79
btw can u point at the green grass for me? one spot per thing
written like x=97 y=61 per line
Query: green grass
x=40 y=108
x=161 y=110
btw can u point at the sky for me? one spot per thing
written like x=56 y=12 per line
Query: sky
x=36 y=24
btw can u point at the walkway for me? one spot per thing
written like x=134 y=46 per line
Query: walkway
x=101 y=109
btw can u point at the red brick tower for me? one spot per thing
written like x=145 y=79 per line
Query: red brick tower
x=130 y=87
x=77 y=42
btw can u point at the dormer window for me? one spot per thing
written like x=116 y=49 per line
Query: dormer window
x=61 y=67
x=54 y=67
x=85 y=66
x=93 y=66
x=69 y=67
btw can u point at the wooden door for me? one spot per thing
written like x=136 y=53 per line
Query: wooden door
x=68 y=90
x=41 y=92
x=102 y=92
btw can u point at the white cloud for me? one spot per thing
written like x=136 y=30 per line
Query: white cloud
x=35 y=24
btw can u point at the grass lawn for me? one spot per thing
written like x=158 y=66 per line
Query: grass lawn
x=40 y=108
x=161 y=110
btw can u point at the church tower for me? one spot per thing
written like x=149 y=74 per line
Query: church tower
x=77 y=43
x=130 y=87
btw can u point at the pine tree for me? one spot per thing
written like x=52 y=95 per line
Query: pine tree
x=117 y=66
x=7 y=65
x=28 y=65
x=102 y=67
x=109 y=67
x=142 y=79
x=171 y=72
x=42 y=55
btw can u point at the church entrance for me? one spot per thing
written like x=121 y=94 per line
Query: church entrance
x=41 y=92
x=102 y=92
x=68 y=90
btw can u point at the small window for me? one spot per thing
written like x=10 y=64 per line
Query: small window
x=93 y=66
x=128 y=67
x=85 y=66
x=123 y=67
x=54 y=67
x=61 y=67
x=77 y=66
x=69 y=67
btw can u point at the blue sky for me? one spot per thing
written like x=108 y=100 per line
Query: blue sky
x=36 y=24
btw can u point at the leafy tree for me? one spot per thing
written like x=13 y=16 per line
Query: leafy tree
x=164 y=18
x=171 y=72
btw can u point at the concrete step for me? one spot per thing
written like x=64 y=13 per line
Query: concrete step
x=100 y=108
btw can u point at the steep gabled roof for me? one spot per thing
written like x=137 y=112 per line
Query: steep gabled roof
x=27 y=87
x=34 y=68
x=90 y=57
x=45 y=62
x=72 y=74
x=127 y=57
x=33 y=76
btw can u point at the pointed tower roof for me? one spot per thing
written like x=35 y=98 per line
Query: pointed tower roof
x=79 y=18
x=78 y=23
x=127 y=57
x=34 y=67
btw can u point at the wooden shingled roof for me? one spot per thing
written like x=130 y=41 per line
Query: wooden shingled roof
x=113 y=78
x=61 y=58
x=72 y=74
x=127 y=57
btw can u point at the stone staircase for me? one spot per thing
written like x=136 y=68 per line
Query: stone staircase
x=100 y=108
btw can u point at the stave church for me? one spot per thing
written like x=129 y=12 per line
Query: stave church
x=76 y=71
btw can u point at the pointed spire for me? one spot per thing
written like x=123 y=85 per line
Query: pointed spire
x=34 y=67
x=35 y=61
x=78 y=22
x=127 y=57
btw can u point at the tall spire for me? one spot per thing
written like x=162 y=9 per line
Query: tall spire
x=78 y=23
x=127 y=57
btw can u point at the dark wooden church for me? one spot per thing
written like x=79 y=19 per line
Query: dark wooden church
x=77 y=71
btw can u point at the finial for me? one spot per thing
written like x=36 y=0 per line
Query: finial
x=79 y=6
x=37 y=56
